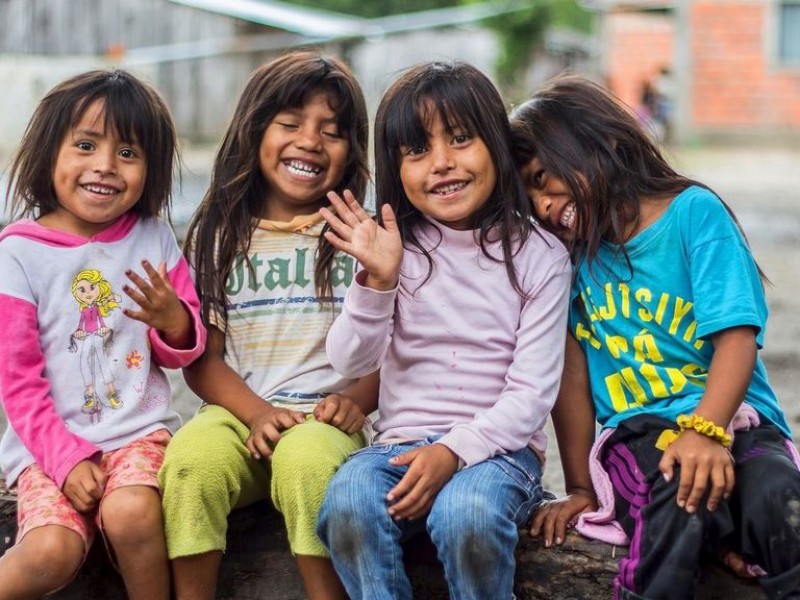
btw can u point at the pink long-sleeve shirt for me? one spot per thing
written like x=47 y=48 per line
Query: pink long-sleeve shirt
x=46 y=369
x=461 y=355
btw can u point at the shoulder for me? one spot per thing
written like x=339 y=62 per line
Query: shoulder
x=703 y=215
x=542 y=246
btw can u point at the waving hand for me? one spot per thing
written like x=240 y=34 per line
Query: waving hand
x=379 y=249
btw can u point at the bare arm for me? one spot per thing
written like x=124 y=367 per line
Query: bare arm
x=573 y=421
x=211 y=378
x=703 y=460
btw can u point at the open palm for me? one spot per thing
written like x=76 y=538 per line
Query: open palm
x=379 y=249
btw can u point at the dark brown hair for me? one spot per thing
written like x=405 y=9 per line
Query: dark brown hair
x=465 y=99
x=221 y=228
x=131 y=108
x=589 y=139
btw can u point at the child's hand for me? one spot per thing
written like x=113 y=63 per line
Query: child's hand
x=160 y=307
x=702 y=460
x=266 y=428
x=85 y=485
x=378 y=249
x=553 y=518
x=341 y=412
x=430 y=467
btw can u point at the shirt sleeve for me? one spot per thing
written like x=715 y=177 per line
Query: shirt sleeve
x=176 y=358
x=359 y=337
x=532 y=380
x=723 y=271
x=25 y=394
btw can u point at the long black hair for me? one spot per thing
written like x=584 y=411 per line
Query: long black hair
x=131 y=108
x=464 y=99
x=589 y=139
x=221 y=228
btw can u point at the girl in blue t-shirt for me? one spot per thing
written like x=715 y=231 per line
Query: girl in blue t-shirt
x=666 y=319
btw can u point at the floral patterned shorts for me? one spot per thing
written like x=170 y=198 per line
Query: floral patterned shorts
x=41 y=503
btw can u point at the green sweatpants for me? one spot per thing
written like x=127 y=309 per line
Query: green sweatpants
x=208 y=471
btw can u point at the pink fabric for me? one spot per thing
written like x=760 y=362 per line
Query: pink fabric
x=462 y=355
x=601 y=524
x=62 y=239
x=42 y=503
x=35 y=419
x=177 y=358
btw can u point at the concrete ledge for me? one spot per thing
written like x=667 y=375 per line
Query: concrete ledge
x=258 y=565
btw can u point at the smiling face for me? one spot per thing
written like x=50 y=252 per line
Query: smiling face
x=552 y=201
x=450 y=177
x=302 y=156
x=97 y=177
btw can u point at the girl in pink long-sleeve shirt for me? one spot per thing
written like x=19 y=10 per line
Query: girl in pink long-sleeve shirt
x=89 y=407
x=461 y=302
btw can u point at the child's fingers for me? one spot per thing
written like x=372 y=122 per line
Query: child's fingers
x=327 y=410
x=343 y=210
x=699 y=487
x=686 y=482
x=717 y=479
x=730 y=479
x=353 y=205
x=388 y=219
x=344 y=231
x=257 y=448
x=667 y=465
x=136 y=296
x=412 y=500
x=406 y=482
x=144 y=289
x=538 y=522
x=153 y=275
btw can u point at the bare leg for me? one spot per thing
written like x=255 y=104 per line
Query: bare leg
x=319 y=578
x=45 y=560
x=196 y=576
x=134 y=527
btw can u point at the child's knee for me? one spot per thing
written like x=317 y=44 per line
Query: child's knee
x=132 y=514
x=51 y=553
x=192 y=465
x=307 y=458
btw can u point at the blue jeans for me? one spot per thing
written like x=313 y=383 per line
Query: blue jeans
x=473 y=523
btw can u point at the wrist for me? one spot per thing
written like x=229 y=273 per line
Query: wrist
x=705 y=427
x=380 y=284
x=581 y=491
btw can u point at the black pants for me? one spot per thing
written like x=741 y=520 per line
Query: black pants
x=760 y=521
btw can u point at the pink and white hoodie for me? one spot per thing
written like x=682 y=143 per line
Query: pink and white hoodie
x=78 y=377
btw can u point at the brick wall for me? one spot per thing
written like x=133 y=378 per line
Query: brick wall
x=735 y=84
x=736 y=87
x=638 y=44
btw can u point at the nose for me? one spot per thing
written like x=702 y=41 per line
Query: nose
x=542 y=203
x=442 y=158
x=105 y=161
x=308 y=138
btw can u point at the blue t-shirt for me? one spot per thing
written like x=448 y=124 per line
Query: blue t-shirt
x=646 y=330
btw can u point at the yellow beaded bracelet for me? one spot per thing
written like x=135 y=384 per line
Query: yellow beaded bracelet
x=705 y=427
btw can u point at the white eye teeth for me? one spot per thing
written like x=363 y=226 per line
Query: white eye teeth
x=568 y=217
x=96 y=189
x=449 y=189
x=304 y=169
